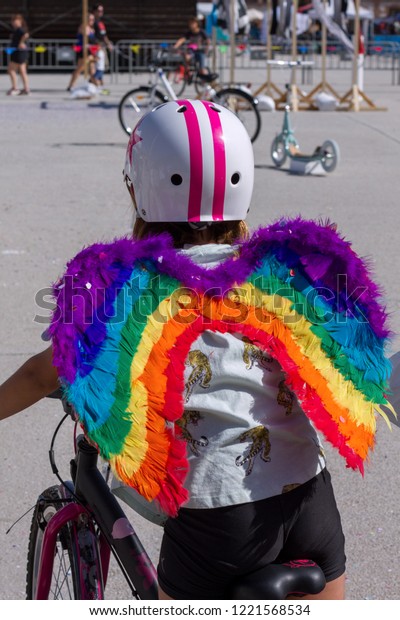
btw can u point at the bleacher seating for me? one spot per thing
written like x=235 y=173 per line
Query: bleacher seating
x=125 y=19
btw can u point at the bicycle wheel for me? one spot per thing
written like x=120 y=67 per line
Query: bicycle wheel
x=76 y=570
x=198 y=86
x=278 y=151
x=244 y=106
x=137 y=102
x=177 y=79
x=331 y=155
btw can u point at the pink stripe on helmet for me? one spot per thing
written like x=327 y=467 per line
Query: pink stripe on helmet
x=219 y=161
x=196 y=161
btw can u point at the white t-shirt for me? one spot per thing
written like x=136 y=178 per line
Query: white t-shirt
x=247 y=436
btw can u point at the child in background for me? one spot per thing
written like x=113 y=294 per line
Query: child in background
x=100 y=65
x=197 y=44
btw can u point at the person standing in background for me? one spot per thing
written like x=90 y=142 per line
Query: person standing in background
x=104 y=42
x=99 y=26
x=19 y=55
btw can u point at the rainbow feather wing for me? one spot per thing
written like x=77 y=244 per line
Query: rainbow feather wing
x=128 y=313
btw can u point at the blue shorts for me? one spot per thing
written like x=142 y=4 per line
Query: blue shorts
x=204 y=552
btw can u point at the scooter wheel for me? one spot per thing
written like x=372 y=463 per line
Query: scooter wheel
x=278 y=151
x=330 y=155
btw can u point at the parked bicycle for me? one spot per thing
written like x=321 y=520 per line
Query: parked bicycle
x=77 y=524
x=142 y=99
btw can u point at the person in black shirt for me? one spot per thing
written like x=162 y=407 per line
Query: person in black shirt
x=100 y=28
x=102 y=39
x=18 y=56
x=197 y=43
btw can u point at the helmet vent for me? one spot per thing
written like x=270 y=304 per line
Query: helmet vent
x=213 y=107
x=181 y=109
x=235 y=178
x=176 y=179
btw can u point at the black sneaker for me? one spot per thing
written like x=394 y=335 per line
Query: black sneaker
x=207 y=77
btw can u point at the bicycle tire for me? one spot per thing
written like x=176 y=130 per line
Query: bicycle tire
x=244 y=106
x=76 y=571
x=135 y=103
x=177 y=79
x=198 y=86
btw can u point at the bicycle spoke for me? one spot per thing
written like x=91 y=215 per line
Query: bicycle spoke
x=66 y=572
x=243 y=106
x=68 y=582
x=134 y=105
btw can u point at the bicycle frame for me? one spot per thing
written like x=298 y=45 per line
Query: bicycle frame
x=163 y=78
x=116 y=532
x=92 y=511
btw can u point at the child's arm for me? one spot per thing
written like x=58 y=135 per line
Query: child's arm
x=180 y=42
x=34 y=380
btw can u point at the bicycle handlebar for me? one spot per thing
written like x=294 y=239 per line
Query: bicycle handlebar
x=57 y=394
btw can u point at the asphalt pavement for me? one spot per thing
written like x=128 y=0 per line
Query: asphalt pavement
x=61 y=188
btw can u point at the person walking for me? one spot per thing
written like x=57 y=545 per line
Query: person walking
x=92 y=48
x=19 y=56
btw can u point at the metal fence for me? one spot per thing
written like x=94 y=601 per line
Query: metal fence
x=132 y=56
x=44 y=54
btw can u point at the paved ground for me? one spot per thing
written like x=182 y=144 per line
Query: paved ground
x=61 y=187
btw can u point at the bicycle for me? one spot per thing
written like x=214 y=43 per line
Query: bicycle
x=142 y=99
x=77 y=524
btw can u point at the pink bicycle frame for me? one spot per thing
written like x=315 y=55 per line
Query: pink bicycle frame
x=70 y=512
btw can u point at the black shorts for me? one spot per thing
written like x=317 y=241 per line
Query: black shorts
x=19 y=56
x=204 y=551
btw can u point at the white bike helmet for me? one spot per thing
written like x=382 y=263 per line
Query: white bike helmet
x=190 y=161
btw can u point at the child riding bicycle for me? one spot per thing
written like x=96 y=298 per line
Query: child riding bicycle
x=196 y=44
x=199 y=359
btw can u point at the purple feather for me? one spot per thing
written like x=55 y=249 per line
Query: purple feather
x=320 y=252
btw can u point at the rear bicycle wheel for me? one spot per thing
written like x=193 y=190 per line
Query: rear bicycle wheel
x=76 y=573
x=244 y=106
x=137 y=102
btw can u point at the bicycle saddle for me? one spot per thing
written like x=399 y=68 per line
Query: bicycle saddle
x=277 y=581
